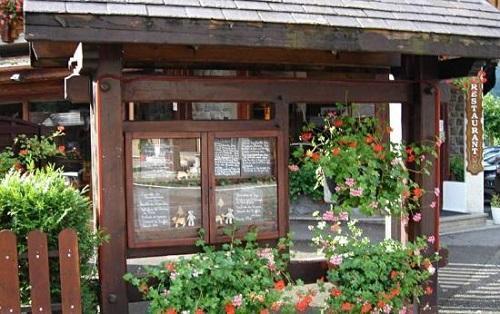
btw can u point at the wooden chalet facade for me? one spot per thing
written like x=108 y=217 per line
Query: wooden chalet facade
x=192 y=103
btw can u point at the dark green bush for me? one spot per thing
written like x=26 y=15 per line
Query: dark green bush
x=42 y=200
x=457 y=168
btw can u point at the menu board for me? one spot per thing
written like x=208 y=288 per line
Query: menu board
x=157 y=160
x=256 y=156
x=214 y=111
x=152 y=207
x=248 y=205
x=227 y=157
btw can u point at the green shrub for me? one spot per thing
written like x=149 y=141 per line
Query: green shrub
x=42 y=200
x=302 y=179
x=457 y=168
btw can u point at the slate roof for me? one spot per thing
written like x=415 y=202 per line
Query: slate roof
x=453 y=17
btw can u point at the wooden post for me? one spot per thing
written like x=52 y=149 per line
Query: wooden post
x=108 y=173
x=419 y=125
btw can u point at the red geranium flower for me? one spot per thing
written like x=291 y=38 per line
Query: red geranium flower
x=428 y=290
x=306 y=136
x=347 y=307
x=336 y=151
x=199 y=311
x=303 y=304
x=279 y=285
x=335 y=292
x=418 y=193
x=61 y=149
x=366 y=308
x=338 y=123
x=378 y=148
x=369 y=139
x=171 y=311
x=170 y=267
x=230 y=308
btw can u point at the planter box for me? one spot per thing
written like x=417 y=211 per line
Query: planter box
x=455 y=196
x=495 y=212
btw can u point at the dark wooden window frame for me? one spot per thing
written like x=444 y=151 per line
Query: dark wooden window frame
x=133 y=242
x=280 y=91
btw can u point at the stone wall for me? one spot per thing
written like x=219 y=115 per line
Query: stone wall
x=456 y=123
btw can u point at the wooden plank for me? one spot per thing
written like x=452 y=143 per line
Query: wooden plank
x=139 y=54
x=33 y=75
x=152 y=88
x=422 y=127
x=9 y=280
x=108 y=153
x=129 y=29
x=39 y=272
x=197 y=126
x=69 y=272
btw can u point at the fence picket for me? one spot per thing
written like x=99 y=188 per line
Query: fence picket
x=9 y=280
x=69 y=271
x=39 y=272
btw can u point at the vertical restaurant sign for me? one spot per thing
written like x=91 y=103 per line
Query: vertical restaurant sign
x=474 y=128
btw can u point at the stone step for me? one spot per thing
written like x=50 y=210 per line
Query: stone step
x=463 y=222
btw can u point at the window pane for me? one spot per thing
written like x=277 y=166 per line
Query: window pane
x=246 y=184
x=166 y=188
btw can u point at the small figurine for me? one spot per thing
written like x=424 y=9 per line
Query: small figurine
x=180 y=218
x=220 y=219
x=190 y=218
x=229 y=216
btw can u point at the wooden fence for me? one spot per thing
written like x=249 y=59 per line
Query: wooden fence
x=39 y=276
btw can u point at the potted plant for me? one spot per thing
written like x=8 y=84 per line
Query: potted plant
x=11 y=15
x=239 y=278
x=370 y=278
x=365 y=171
x=495 y=208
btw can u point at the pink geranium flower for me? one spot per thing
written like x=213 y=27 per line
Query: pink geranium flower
x=431 y=239
x=336 y=260
x=417 y=217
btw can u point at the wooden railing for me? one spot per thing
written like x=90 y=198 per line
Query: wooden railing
x=495 y=3
x=39 y=276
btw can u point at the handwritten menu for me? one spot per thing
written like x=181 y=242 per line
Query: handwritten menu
x=157 y=160
x=256 y=155
x=152 y=207
x=227 y=157
x=248 y=205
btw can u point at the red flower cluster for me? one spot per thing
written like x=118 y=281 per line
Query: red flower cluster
x=303 y=304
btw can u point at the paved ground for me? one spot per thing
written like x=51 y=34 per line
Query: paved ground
x=471 y=281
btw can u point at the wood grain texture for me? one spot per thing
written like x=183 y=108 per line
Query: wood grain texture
x=137 y=89
x=9 y=280
x=108 y=152
x=128 y=29
x=38 y=259
x=69 y=272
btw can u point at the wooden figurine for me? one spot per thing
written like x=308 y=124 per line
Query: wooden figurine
x=180 y=219
x=190 y=218
x=229 y=216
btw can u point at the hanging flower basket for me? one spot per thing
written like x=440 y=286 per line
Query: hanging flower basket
x=11 y=16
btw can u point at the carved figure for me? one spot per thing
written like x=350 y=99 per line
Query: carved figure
x=229 y=216
x=190 y=218
x=220 y=219
x=180 y=219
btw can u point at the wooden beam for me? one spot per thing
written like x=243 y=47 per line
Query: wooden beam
x=50 y=54
x=130 y=29
x=152 y=88
x=35 y=91
x=108 y=177
x=160 y=55
x=27 y=75
x=420 y=126
x=459 y=67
